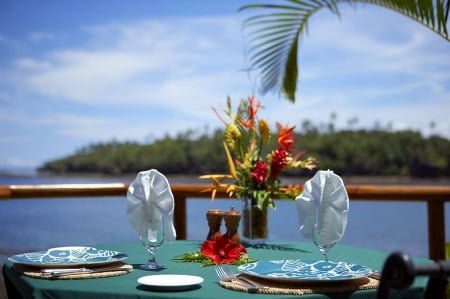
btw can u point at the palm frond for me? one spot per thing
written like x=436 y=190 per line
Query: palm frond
x=431 y=13
x=275 y=34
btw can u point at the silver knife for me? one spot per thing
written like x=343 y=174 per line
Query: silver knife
x=66 y=271
x=252 y=286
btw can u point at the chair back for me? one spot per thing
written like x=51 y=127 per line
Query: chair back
x=399 y=272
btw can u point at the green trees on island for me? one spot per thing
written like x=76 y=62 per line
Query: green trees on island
x=347 y=152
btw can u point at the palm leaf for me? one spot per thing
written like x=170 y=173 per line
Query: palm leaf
x=274 y=35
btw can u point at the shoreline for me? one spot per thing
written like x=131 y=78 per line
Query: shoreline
x=192 y=178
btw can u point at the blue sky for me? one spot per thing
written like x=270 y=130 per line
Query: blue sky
x=74 y=73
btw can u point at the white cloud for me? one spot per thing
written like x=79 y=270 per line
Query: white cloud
x=40 y=36
x=87 y=76
x=395 y=44
x=8 y=42
x=29 y=64
x=90 y=128
x=15 y=162
x=130 y=57
x=3 y=39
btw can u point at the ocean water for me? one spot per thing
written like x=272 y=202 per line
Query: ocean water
x=37 y=224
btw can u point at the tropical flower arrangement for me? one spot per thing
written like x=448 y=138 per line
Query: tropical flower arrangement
x=255 y=169
x=222 y=250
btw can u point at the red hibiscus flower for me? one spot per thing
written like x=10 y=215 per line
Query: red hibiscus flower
x=222 y=250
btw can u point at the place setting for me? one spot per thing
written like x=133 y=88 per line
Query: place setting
x=299 y=277
x=323 y=212
x=150 y=205
x=71 y=262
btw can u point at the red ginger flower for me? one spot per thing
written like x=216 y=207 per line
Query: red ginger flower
x=259 y=173
x=222 y=250
x=280 y=159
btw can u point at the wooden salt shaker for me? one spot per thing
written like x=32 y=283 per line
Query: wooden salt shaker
x=232 y=218
x=214 y=218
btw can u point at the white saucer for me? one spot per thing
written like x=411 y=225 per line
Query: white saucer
x=170 y=282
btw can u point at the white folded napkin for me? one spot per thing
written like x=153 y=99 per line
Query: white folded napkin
x=324 y=203
x=149 y=195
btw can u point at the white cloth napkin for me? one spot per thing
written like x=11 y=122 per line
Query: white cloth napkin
x=324 y=203
x=149 y=195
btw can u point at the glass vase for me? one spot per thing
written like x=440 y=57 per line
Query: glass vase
x=254 y=222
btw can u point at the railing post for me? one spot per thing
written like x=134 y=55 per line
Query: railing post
x=5 y=192
x=180 y=217
x=436 y=229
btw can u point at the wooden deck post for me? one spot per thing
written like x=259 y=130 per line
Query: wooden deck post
x=436 y=230
x=180 y=217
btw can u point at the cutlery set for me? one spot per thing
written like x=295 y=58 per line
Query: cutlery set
x=226 y=274
x=68 y=271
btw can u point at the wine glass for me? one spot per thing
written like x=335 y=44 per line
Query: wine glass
x=151 y=234
x=321 y=242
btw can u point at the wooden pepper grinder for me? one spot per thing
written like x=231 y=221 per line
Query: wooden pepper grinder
x=214 y=218
x=232 y=218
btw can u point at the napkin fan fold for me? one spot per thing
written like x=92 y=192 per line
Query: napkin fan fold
x=324 y=203
x=149 y=197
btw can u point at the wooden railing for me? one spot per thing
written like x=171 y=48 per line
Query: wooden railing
x=434 y=196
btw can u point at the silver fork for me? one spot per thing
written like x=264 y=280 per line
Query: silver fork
x=226 y=274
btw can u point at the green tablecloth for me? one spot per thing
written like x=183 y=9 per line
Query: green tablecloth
x=126 y=286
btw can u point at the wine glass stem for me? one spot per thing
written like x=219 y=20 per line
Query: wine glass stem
x=151 y=256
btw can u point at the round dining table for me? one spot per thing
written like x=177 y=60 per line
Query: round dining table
x=20 y=285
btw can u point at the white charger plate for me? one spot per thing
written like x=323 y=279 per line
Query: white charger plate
x=71 y=256
x=170 y=282
x=305 y=270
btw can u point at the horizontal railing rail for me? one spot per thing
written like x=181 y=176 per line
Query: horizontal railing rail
x=434 y=196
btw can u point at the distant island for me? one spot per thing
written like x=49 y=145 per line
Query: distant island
x=347 y=152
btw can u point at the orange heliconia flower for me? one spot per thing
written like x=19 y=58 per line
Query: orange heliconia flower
x=252 y=111
x=285 y=136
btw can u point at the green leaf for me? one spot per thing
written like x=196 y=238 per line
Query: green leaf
x=291 y=73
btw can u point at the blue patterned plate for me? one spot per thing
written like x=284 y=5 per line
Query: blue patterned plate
x=68 y=257
x=308 y=270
